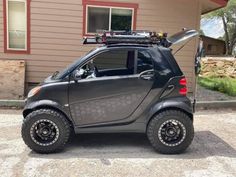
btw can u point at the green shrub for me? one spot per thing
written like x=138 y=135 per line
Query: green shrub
x=225 y=85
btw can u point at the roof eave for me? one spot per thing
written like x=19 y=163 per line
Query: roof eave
x=221 y=3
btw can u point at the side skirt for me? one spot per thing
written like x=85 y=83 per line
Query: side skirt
x=135 y=127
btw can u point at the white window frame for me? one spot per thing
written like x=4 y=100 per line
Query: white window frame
x=110 y=11
x=26 y=32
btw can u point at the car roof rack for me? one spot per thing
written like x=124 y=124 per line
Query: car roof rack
x=133 y=37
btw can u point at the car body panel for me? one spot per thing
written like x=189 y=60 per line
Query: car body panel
x=139 y=123
x=53 y=94
x=108 y=98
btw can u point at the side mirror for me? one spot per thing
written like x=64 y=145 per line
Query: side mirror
x=78 y=74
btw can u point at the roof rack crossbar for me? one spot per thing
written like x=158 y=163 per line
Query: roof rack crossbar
x=135 y=37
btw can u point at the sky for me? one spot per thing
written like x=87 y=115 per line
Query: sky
x=212 y=27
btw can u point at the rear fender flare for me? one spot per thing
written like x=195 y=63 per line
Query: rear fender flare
x=171 y=104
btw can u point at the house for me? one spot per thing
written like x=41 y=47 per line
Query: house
x=47 y=34
x=213 y=46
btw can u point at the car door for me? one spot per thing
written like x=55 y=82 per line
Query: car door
x=116 y=92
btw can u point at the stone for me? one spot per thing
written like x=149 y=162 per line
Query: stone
x=219 y=67
x=220 y=64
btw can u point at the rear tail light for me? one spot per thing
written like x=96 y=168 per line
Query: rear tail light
x=183 y=90
x=183 y=81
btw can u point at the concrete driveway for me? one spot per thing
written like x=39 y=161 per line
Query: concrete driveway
x=212 y=153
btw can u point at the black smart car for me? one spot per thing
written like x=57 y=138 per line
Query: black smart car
x=131 y=84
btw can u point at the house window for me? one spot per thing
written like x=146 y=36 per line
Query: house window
x=16 y=26
x=103 y=18
x=100 y=16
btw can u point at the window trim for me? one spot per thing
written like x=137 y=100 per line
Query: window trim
x=110 y=5
x=5 y=23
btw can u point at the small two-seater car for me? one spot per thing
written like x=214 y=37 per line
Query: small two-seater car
x=132 y=83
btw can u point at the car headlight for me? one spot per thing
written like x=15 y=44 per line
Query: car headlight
x=34 y=91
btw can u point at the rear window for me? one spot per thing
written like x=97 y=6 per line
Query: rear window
x=161 y=64
x=169 y=61
x=144 y=61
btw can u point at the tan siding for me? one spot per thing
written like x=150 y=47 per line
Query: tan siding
x=54 y=35
x=57 y=24
x=60 y=6
x=51 y=11
x=56 y=32
x=57 y=17
x=59 y=1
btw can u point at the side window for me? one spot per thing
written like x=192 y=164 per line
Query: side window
x=144 y=61
x=115 y=63
x=115 y=59
x=111 y=63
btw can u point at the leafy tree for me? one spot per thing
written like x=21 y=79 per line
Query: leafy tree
x=228 y=17
x=201 y=32
x=221 y=38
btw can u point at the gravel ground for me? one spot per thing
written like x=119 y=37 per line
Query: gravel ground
x=204 y=94
x=212 y=153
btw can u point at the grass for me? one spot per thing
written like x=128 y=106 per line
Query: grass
x=225 y=85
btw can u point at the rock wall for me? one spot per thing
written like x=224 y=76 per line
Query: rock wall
x=218 y=67
x=12 y=79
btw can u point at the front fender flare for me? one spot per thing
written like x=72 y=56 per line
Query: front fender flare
x=29 y=107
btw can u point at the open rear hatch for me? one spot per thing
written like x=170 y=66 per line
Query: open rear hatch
x=182 y=36
x=185 y=36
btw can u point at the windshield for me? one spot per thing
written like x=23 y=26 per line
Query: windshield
x=68 y=69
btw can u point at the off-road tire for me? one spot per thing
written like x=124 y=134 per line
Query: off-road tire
x=157 y=121
x=51 y=115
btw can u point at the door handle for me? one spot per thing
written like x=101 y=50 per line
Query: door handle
x=147 y=75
